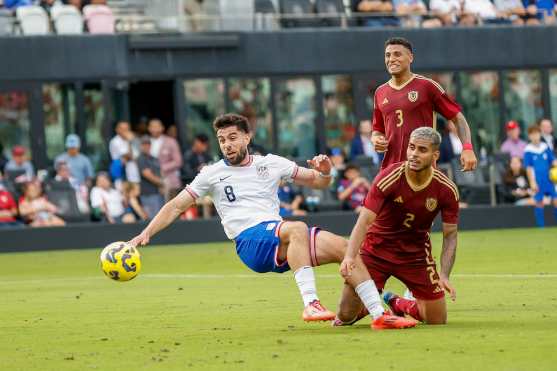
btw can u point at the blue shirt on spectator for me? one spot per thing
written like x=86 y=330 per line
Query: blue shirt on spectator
x=540 y=158
x=80 y=166
x=12 y=4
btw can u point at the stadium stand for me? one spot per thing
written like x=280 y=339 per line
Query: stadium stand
x=33 y=20
x=99 y=19
x=297 y=13
x=331 y=11
x=67 y=20
x=265 y=15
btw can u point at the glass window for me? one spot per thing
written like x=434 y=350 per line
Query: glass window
x=338 y=108
x=523 y=97
x=295 y=102
x=553 y=95
x=204 y=102
x=480 y=105
x=59 y=116
x=97 y=147
x=14 y=121
x=251 y=98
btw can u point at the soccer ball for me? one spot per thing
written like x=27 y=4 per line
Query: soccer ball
x=120 y=261
x=553 y=174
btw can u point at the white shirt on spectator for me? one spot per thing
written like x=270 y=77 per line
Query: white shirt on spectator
x=156 y=144
x=506 y=5
x=112 y=199
x=119 y=147
x=444 y=6
x=483 y=8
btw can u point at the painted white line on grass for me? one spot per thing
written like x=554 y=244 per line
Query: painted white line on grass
x=201 y=276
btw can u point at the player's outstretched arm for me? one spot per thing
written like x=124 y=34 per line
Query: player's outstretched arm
x=365 y=219
x=448 y=256
x=169 y=212
x=319 y=176
x=468 y=159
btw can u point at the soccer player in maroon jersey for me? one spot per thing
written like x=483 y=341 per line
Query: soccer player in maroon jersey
x=409 y=101
x=392 y=234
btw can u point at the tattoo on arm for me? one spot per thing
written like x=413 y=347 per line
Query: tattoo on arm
x=463 y=128
x=448 y=254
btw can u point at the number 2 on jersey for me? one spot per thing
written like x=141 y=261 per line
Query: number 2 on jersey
x=229 y=192
x=409 y=219
x=400 y=117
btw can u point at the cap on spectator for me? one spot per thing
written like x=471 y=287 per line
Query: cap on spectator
x=512 y=125
x=336 y=152
x=18 y=151
x=73 y=141
x=145 y=139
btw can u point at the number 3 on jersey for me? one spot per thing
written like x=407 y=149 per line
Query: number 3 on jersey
x=229 y=192
x=400 y=118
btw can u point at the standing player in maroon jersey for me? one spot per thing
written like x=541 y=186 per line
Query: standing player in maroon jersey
x=392 y=234
x=409 y=101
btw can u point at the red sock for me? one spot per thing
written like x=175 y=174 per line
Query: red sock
x=406 y=306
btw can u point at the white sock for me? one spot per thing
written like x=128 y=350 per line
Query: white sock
x=305 y=279
x=370 y=297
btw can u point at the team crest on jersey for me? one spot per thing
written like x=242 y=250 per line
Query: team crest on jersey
x=431 y=204
x=263 y=172
x=413 y=96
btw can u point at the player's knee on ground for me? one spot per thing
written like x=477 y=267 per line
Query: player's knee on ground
x=433 y=312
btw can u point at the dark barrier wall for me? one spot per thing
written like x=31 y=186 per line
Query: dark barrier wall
x=47 y=58
x=99 y=235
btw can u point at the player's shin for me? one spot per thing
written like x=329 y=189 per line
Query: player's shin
x=305 y=279
x=366 y=290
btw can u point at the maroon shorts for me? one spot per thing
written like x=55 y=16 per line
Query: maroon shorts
x=421 y=279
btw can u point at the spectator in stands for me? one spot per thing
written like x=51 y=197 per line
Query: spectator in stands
x=13 y=4
x=151 y=181
x=353 y=188
x=80 y=165
x=512 y=9
x=134 y=211
x=538 y=160
x=451 y=145
x=380 y=7
x=339 y=165
x=106 y=201
x=290 y=201
x=19 y=163
x=515 y=181
x=410 y=11
x=79 y=4
x=484 y=10
x=513 y=145
x=35 y=209
x=196 y=157
x=3 y=159
x=172 y=131
x=63 y=175
x=124 y=150
x=362 y=145
x=447 y=11
x=167 y=151
x=8 y=208
x=47 y=5
x=541 y=11
x=546 y=129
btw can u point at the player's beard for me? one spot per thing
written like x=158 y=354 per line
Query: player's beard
x=242 y=153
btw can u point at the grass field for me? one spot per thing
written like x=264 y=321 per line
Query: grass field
x=198 y=307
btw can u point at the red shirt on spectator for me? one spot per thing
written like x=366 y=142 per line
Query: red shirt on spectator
x=7 y=203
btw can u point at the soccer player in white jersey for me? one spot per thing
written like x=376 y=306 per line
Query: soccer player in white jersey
x=244 y=190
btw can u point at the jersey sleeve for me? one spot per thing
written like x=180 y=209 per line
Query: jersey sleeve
x=200 y=185
x=286 y=168
x=450 y=209
x=377 y=120
x=442 y=103
x=375 y=197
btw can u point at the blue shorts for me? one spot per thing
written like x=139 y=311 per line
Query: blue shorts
x=545 y=189
x=258 y=247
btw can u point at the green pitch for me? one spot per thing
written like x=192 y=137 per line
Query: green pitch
x=198 y=307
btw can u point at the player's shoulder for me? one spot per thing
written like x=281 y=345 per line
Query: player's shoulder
x=381 y=88
x=429 y=83
x=389 y=175
x=270 y=159
x=445 y=183
x=213 y=168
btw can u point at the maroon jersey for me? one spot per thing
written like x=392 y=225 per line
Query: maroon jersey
x=405 y=213
x=398 y=110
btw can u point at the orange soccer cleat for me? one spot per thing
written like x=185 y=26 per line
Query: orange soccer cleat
x=316 y=312
x=389 y=322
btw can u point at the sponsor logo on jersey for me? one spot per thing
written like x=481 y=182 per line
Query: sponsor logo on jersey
x=263 y=172
x=399 y=200
x=413 y=96
x=431 y=204
x=385 y=101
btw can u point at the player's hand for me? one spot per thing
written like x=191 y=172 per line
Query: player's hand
x=445 y=284
x=380 y=143
x=141 y=239
x=321 y=163
x=468 y=160
x=534 y=187
x=346 y=267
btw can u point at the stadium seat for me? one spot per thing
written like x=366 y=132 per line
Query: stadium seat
x=6 y=22
x=67 y=20
x=99 y=18
x=333 y=9
x=33 y=20
x=236 y=15
x=265 y=15
x=473 y=186
x=63 y=196
x=293 y=12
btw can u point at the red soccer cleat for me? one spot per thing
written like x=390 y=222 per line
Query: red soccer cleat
x=390 y=322
x=316 y=312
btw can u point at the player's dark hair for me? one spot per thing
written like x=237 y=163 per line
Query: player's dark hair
x=534 y=129
x=231 y=119
x=399 y=41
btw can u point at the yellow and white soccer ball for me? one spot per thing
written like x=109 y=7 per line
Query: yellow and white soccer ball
x=553 y=174
x=120 y=261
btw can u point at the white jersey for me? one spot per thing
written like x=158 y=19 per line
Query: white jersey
x=244 y=196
